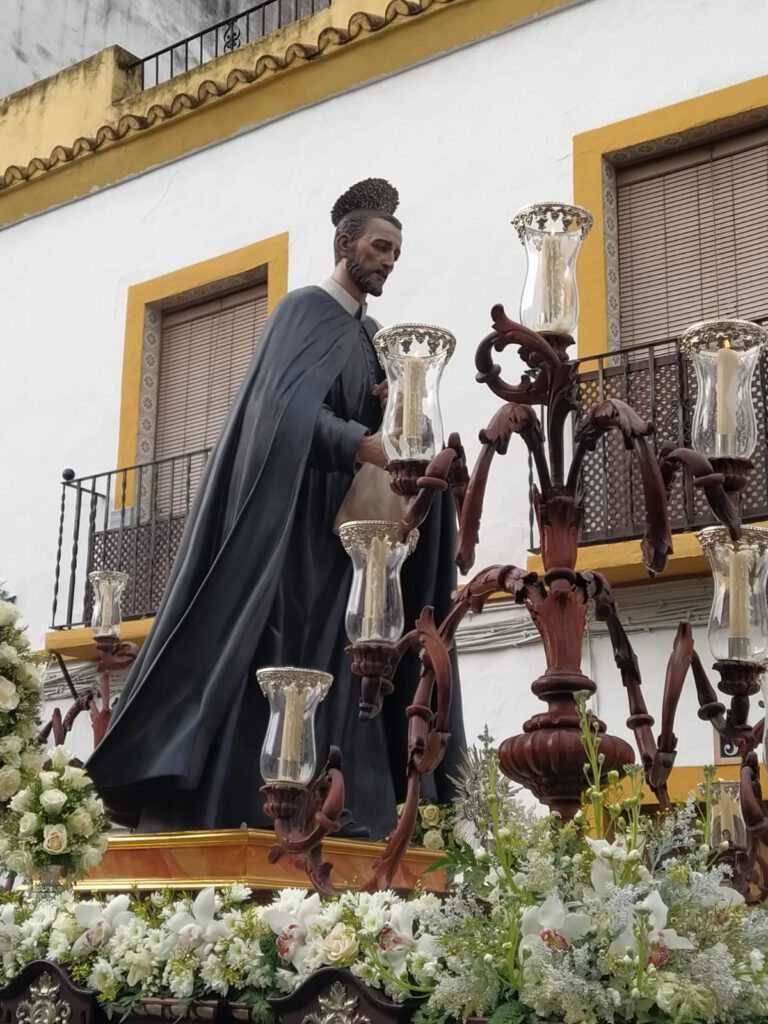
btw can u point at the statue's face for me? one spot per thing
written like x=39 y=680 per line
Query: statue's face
x=372 y=257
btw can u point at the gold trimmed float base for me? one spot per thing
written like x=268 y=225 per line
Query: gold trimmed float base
x=193 y=860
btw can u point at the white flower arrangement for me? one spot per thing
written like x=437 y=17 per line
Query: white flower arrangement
x=221 y=945
x=20 y=703
x=56 y=820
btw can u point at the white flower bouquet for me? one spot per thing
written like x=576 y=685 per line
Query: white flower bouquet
x=221 y=945
x=56 y=820
x=20 y=703
x=618 y=916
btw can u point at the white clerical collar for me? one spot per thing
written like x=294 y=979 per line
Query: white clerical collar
x=342 y=296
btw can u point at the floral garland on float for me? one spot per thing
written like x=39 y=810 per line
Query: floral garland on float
x=615 y=917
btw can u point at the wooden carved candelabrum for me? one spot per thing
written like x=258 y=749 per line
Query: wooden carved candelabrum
x=547 y=757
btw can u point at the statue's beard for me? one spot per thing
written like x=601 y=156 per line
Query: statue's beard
x=367 y=281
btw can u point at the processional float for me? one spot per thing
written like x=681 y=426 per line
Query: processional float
x=547 y=756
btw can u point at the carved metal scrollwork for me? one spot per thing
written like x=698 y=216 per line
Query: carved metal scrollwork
x=336 y=1007
x=44 y=1005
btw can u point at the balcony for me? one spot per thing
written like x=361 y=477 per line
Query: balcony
x=659 y=382
x=129 y=519
x=132 y=519
x=256 y=22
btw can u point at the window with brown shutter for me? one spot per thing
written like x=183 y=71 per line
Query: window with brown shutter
x=204 y=353
x=693 y=238
x=205 y=350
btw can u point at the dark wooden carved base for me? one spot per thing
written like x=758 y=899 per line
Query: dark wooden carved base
x=375 y=663
x=44 y=994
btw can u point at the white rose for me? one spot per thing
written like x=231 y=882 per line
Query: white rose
x=9 y=613
x=52 y=800
x=433 y=840
x=340 y=945
x=54 y=839
x=91 y=856
x=60 y=756
x=32 y=761
x=29 y=822
x=80 y=823
x=9 y=655
x=22 y=801
x=66 y=923
x=9 y=695
x=75 y=777
x=49 y=780
x=10 y=780
x=429 y=814
x=10 y=749
x=28 y=676
x=19 y=862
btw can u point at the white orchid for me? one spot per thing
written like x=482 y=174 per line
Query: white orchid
x=194 y=928
x=292 y=925
x=660 y=938
x=99 y=923
x=397 y=940
x=553 y=924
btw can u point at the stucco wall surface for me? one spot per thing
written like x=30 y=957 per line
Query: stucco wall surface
x=467 y=139
x=41 y=38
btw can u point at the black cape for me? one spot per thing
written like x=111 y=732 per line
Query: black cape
x=260 y=579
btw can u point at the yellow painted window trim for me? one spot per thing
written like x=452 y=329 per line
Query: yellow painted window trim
x=620 y=561
x=591 y=148
x=271 y=253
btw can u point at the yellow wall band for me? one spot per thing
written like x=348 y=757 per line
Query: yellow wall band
x=440 y=26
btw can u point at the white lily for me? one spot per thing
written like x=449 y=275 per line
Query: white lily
x=660 y=938
x=99 y=922
x=397 y=940
x=553 y=924
x=292 y=928
x=195 y=929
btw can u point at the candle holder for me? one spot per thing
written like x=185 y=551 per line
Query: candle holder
x=288 y=755
x=413 y=357
x=108 y=586
x=114 y=653
x=725 y=354
x=728 y=823
x=738 y=620
x=375 y=619
x=552 y=234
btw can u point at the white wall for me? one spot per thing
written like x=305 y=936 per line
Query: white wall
x=40 y=38
x=467 y=139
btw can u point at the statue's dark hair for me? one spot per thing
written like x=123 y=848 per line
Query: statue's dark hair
x=353 y=225
x=372 y=197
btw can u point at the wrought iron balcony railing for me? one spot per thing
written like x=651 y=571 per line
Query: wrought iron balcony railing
x=659 y=382
x=129 y=519
x=254 y=23
x=132 y=519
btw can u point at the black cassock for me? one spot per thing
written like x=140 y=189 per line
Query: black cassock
x=261 y=580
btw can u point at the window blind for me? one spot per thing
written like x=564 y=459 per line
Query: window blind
x=205 y=351
x=693 y=238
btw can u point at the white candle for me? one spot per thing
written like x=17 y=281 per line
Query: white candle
x=725 y=391
x=293 y=725
x=724 y=809
x=740 y=562
x=554 y=293
x=375 y=590
x=413 y=388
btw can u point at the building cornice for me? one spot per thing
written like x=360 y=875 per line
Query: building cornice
x=328 y=63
